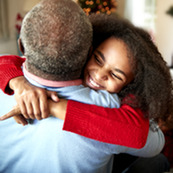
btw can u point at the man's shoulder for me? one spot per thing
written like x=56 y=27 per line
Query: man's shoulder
x=97 y=97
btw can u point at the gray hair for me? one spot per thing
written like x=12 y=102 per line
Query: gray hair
x=56 y=35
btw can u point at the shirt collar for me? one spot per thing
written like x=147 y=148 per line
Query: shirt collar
x=50 y=83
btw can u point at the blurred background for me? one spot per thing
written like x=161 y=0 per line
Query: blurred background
x=156 y=16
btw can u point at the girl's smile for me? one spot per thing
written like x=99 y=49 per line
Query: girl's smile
x=95 y=84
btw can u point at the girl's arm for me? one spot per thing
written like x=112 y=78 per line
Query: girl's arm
x=123 y=126
x=12 y=80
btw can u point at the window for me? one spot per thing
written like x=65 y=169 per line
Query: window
x=141 y=13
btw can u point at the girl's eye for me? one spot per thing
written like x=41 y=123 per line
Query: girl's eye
x=115 y=76
x=97 y=59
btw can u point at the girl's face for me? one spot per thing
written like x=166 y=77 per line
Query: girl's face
x=109 y=67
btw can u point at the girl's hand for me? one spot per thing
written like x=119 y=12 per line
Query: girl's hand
x=56 y=109
x=16 y=114
x=32 y=101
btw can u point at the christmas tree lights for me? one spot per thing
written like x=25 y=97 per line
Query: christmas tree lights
x=98 y=6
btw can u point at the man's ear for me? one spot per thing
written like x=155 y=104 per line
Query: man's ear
x=21 y=48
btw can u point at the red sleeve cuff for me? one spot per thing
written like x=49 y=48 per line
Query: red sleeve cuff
x=10 y=66
x=7 y=76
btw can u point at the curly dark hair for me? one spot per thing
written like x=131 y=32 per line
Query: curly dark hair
x=152 y=84
x=56 y=36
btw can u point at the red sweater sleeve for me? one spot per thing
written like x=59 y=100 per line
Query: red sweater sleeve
x=10 y=67
x=124 y=126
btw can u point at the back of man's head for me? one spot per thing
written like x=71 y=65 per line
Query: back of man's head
x=56 y=36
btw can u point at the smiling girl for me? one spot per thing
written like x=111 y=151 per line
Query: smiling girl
x=108 y=68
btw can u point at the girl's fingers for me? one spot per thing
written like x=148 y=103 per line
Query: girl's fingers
x=37 y=110
x=23 y=109
x=20 y=119
x=53 y=96
x=13 y=112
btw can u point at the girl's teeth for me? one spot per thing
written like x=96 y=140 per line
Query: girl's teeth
x=93 y=83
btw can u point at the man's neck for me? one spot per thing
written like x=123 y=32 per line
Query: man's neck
x=50 y=83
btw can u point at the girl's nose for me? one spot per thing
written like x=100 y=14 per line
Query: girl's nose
x=101 y=74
